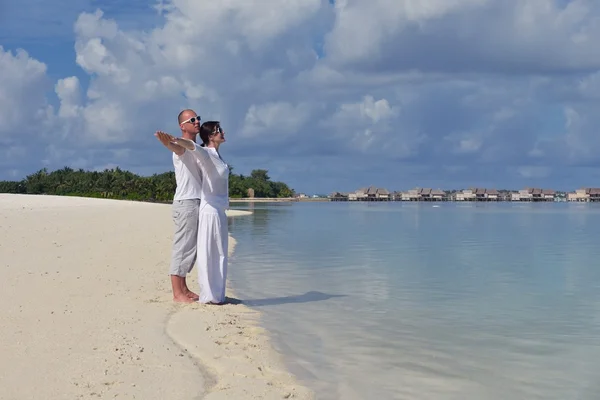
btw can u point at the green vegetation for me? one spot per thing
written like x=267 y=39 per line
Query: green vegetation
x=119 y=184
x=260 y=182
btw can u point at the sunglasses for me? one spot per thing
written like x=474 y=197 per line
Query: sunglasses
x=192 y=120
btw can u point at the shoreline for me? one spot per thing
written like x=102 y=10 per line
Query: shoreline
x=245 y=365
x=87 y=296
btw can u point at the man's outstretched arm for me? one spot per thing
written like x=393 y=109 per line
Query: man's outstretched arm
x=165 y=139
x=199 y=152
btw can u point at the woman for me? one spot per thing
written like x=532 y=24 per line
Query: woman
x=212 y=222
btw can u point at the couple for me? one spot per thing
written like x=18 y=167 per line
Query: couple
x=199 y=205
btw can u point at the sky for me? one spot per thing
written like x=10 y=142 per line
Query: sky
x=325 y=95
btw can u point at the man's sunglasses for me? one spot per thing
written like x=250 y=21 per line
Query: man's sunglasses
x=191 y=120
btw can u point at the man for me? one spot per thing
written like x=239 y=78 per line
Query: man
x=186 y=204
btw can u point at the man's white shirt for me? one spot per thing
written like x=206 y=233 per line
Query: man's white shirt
x=188 y=177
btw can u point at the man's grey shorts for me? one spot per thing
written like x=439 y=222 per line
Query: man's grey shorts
x=185 y=240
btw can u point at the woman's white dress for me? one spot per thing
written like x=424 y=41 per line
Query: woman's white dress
x=212 y=225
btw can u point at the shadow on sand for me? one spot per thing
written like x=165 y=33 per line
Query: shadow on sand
x=275 y=301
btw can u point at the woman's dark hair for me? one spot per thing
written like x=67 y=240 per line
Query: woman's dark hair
x=208 y=129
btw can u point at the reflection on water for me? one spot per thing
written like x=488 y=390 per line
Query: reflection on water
x=407 y=301
x=262 y=214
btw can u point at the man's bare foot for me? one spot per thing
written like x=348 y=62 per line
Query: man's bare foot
x=192 y=295
x=181 y=293
x=182 y=299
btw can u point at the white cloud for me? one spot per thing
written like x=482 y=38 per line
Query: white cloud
x=188 y=62
x=22 y=85
x=93 y=26
x=444 y=81
x=281 y=118
x=362 y=28
x=369 y=109
x=466 y=35
x=95 y=58
x=465 y=143
x=364 y=124
x=68 y=91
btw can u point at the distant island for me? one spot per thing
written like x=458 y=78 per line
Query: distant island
x=120 y=184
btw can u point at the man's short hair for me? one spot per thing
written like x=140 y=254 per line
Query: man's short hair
x=180 y=116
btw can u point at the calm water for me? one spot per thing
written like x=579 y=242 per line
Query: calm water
x=411 y=301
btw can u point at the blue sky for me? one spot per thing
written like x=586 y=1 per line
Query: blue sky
x=325 y=95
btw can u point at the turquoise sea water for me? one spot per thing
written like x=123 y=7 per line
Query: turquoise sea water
x=412 y=301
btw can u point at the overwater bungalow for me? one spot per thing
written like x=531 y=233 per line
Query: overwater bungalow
x=464 y=195
x=584 y=195
x=533 y=194
x=378 y=194
x=424 y=194
x=486 y=194
x=411 y=195
x=371 y=193
x=438 y=195
x=339 y=196
x=477 y=194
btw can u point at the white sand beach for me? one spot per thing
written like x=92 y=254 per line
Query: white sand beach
x=87 y=311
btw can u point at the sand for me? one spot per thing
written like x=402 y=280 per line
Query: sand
x=87 y=311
